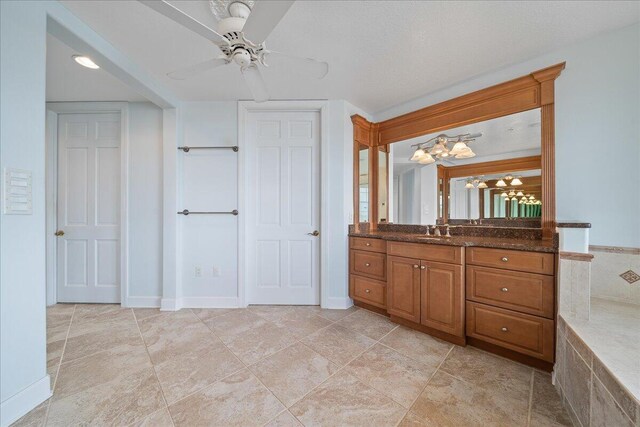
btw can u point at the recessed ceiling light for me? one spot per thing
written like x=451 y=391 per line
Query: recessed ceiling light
x=85 y=61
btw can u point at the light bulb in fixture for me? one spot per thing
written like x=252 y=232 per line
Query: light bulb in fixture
x=85 y=61
x=532 y=197
x=520 y=194
x=418 y=154
x=516 y=181
x=469 y=184
x=427 y=159
x=504 y=194
x=512 y=193
x=524 y=199
x=459 y=148
x=501 y=183
x=466 y=154
x=482 y=184
x=521 y=202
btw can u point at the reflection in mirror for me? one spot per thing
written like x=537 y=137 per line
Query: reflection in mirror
x=364 y=183
x=383 y=184
x=417 y=195
x=485 y=196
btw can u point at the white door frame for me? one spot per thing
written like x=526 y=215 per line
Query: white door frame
x=51 y=185
x=244 y=108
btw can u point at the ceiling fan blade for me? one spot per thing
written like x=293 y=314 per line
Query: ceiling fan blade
x=175 y=14
x=185 y=73
x=306 y=66
x=253 y=79
x=264 y=17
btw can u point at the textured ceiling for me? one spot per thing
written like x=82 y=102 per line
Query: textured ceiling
x=380 y=53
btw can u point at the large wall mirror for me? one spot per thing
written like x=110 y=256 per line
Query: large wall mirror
x=448 y=162
x=468 y=173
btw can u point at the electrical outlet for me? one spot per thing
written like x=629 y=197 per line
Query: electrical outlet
x=197 y=271
x=216 y=271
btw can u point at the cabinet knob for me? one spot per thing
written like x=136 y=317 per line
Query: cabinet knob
x=504 y=329
x=367 y=291
x=366 y=264
x=415 y=266
x=505 y=289
x=422 y=267
x=505 y=259
x=367 y=244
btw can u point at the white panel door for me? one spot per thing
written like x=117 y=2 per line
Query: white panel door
x=283 y=156
x=88 y=265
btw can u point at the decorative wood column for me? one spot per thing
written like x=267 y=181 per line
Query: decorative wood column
x=361 y=136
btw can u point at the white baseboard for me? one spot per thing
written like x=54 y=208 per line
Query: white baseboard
x=339 y=303
x=209 y=302
x=21 y=403
x=174 y=304
x=143 y=302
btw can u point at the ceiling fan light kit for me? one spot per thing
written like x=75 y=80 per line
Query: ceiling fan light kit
x=243 y=27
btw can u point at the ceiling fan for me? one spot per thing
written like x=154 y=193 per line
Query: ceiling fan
x=242 y=29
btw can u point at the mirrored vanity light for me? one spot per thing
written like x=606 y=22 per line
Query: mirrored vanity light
x=504 y=194
x=516 y=181
x=501 y=183
x=419 y=154
x=426 y=159
x=483 y=184
x=469 y=184
x=519 y=194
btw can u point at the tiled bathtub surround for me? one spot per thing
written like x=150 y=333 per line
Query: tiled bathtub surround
x=574 y=274
x=607 y=271
x=597 y=369
x=276 y=366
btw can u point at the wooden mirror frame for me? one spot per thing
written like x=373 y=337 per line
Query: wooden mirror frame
x=535 y=90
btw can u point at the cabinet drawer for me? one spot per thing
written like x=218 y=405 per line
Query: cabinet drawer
x=368 y=244
x=369 y=264
x=523 y=333
x=526 y=292
x=368 y=290
x=438 y=253
x=532 y=262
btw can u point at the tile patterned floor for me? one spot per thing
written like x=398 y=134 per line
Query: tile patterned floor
x=275 y=366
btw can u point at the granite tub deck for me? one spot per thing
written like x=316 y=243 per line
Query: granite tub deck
x=519 y=244
x=598 y=364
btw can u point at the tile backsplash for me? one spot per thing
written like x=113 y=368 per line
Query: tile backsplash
x=614 y=274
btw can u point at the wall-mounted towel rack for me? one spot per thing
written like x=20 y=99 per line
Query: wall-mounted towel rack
x=187 y=149
x=188 y=212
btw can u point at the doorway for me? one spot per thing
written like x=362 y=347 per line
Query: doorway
x=282 y=163
x=86 y=202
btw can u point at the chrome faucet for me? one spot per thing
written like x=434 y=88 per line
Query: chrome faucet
x=436 y=230
x=446 y=228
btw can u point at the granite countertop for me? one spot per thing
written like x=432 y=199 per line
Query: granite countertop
x=479 y=241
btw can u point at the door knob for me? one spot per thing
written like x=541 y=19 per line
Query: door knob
x=422 y=267
x=415 y=266
x=315 y=233
x=505 y=259
x=59 y=233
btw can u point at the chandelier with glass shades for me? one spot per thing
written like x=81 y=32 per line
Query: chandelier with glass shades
x=444 y=146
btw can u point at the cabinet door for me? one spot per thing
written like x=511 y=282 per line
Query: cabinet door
x=403 y=288
x=442 y=297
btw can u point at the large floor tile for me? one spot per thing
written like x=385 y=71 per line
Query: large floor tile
x=391 y=373
x=261 y=341
x=193 y=370
x=336 y=314
x=449 y=401
x=546 y=405
x=205 y=314
x=342 y=400
x=234 y=323
x=121 y=401
x=270 y=312
x=489 y=371
x=108 y=320
x=338 y=344
x=160 y=418
x=293 y=372
x=87 y=344
x=144 y=313
x=421 y=347
x=302 y=322
x=99 y=368
x=369 y=324
x=87 y=312
x=238 y=400
x=285 y=419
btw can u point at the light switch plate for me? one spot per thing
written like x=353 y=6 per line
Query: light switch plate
x=17 y=197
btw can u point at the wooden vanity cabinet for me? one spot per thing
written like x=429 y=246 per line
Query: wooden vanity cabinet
x=368 y=272
x=403 y=288
x=442 y=297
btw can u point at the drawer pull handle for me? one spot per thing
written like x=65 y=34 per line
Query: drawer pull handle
x=366 y=264
x=505 y=259
x=422 y=267
x=367 y=291
x=504 y=329
x=505 y=289
x=367 y=244
x=415 y=266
